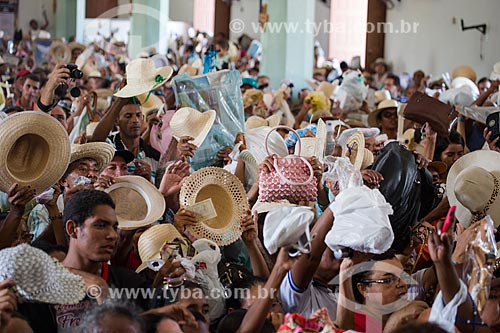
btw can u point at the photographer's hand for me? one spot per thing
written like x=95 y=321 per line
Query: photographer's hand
x=58 y=76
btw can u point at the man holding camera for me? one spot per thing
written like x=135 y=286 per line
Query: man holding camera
x=59 y=76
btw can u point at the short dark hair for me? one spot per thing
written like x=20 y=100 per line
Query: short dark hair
x=49 y=247
x=395 y=78
x=442 y=142
x=152 y=320
x=483 y=80
x=416 y=327
x=92 y=320
x=236 y=301
x=82 y=204
x=32 y=77
x=344 y=66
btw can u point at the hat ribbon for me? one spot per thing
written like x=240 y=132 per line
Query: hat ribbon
x=158 y=80
x=476 y=216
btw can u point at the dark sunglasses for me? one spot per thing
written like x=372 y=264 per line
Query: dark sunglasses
x=388 y=114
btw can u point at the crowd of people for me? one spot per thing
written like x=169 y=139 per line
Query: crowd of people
x=184 y=193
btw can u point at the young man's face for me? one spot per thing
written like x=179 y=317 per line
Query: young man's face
x=30 y=89
x=97 y=237
x=59 y=115
x=130 y=121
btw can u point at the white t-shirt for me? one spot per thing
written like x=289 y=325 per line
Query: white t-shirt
x=307 y=301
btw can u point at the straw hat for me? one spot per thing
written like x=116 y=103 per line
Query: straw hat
x=59 y=52
x=228 y=197
x=39 y=277
x=255 y=122
x=152 y=240
x=143 y=76
x=35 y=151
x=100 y=152
x=439 y=166
x=192 y=71
x=252 y=97
x=138 y=202
x=473 y=185
x=382 y=95
x=328 y=88
x=351 y=150
x=150 y=103
x=385 y=104
x=464 y=71
x=190 y=122
x=75 y=46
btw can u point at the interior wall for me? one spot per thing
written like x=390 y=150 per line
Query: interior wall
x=439 y=45
x=29 y=9
x=248 y=12
x=322 y=15
x=181 y=10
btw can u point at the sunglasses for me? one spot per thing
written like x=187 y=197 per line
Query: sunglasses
x=388 y=280
x=389 y=114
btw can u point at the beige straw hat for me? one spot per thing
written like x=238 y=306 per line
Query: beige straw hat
x=385 y=104
x=152 y=240
x=356 y=152
x=464 y=71
x=192 y=71
x=35 y=151
x=143 y=76
x=59 y=52
x=190 y=122
x=255 y=122
x=138 y=202
x=100 y=152
x=228 y=197
x=150 y=103
x=473 y=185
x=252 y=97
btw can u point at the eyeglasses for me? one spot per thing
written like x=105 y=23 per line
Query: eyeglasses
x=388 y=280
x=389 y=114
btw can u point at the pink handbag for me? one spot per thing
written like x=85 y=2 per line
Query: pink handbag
x=292 y=178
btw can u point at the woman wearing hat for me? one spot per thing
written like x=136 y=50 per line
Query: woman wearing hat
x=385 y=117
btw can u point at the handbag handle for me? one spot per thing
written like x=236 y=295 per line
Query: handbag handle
x=289 y=182
x=282 y=127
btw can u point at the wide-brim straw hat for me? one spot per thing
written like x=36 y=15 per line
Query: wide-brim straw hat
x=138 y=202
x=473 y=185
x=191 y=122
x=385 y=104
x=255 y=122
x=150 y=102
x=356 y=152
x=328 y=88
x=382 y=95
x=192 y=71
x=39 y=277
x=439 y=166
x=143 y=76
x=35 y=151
x=464 y=71
x=229 y=200
x=59 y=52
x=75 y=46
x=100 y=152
x=152 y=240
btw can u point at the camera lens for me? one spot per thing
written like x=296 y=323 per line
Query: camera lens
x=75 y=92
x=77 y=74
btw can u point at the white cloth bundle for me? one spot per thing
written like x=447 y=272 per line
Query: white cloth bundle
x=444 y=315
x=361 y=221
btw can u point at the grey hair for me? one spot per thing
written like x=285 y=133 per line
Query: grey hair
x=91 y=322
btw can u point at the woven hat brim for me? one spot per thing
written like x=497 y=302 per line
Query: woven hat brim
x=486 y=159
x=154 y=197
x=357 y=142
x=100 y=152
x=34 y=122
x=132 y=89
x=239 y=203
x=202 y=135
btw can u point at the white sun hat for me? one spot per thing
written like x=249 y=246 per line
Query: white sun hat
x=191 y=122
x=39 y=277
x=143 y=76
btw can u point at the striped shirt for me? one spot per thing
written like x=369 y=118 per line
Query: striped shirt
x=38 y=219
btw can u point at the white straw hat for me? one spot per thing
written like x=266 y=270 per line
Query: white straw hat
x=138 y=202
x=100 y=152
x=143 y=76
x=39 y=277
x=35 y=151
x=385 y=104
x=152 y=240
x=473 y=185
x=228 y=197
x=190 y=122
x=356 y=152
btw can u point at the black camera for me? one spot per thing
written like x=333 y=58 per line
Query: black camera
x=75 y=73
x=493 y=123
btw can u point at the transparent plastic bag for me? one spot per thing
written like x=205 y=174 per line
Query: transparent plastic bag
x=481 y=254
x=219 y=91
x=341 y=173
